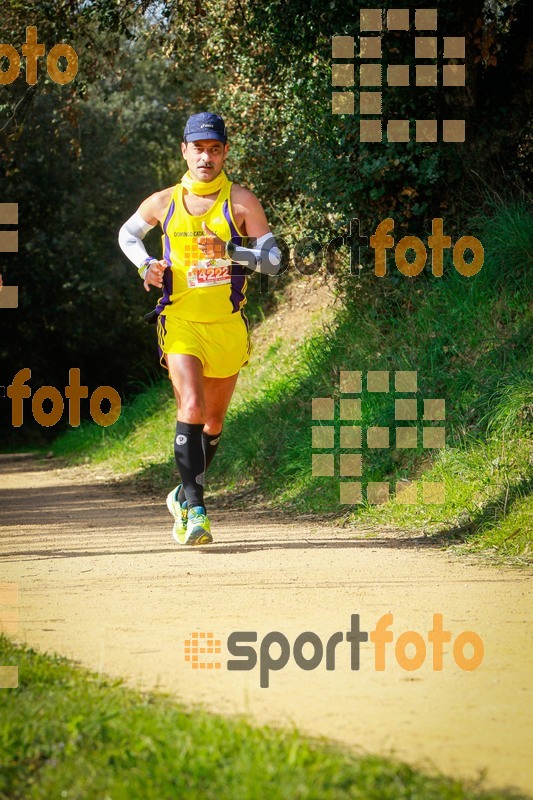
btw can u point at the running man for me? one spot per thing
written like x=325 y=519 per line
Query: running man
x=201 y=327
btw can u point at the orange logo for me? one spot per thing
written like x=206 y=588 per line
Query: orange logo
x=202 y=644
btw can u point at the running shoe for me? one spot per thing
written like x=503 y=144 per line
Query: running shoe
x=198 y=527
x=179 y=512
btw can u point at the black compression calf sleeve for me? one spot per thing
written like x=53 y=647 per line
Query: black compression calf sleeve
x=210 y=443
x=190 y=460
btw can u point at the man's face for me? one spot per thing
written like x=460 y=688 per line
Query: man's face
x=205 y=158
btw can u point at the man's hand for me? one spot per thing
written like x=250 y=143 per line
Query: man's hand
x=210 y=244
x=154 y=276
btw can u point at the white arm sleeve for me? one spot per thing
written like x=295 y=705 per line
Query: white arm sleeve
x=264 y=257
x=130 y=239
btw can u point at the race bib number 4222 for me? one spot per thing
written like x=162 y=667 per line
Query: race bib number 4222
x=209 y=275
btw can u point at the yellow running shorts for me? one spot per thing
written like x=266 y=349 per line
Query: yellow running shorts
x=223 y=346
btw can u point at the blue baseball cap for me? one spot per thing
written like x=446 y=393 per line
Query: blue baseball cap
x=205 y=126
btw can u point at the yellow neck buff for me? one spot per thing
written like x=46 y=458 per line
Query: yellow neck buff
x=201 y=187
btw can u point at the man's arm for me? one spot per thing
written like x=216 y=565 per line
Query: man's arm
x=131 y=234
x=264 y=255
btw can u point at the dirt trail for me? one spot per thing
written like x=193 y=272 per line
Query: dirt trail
x=101 y=581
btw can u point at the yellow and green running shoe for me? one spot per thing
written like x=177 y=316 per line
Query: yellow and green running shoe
x=179 y=512
x=191 y=525
x=198 y=527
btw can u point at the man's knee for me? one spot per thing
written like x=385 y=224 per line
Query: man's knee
x=213 y=424
x=191 y=409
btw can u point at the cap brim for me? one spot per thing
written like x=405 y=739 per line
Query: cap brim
x=196 y=137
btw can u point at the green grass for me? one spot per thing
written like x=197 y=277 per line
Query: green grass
x=138 y=439
x=68 y=733
x=469 y=339
x=487 y=495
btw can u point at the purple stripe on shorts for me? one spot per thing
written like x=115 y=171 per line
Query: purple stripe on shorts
x=163 y=322
x=238 y=276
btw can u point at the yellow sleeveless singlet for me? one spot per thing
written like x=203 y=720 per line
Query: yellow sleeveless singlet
x=196 y=288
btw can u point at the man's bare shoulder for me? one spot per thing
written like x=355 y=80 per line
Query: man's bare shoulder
x=154 y=207
x=161 y=200
x=243 y=197
x=164 y=195
x=249 y=213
